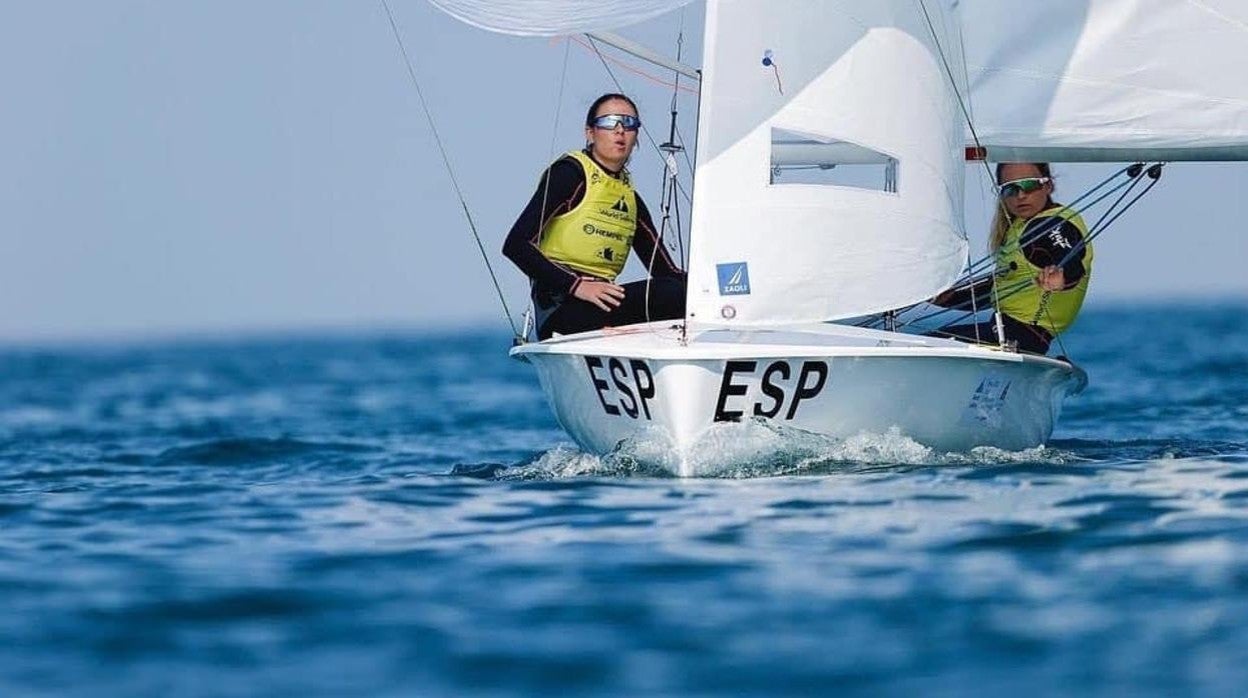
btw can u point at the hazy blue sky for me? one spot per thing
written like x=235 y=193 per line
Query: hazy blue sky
x=178 y=166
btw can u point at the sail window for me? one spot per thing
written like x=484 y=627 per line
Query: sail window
x=802 y=158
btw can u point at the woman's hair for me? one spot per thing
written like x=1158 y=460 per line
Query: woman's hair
x=1002 y=219
x=593 y=108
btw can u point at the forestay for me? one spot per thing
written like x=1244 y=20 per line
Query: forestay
x=554 y=17
x=805 y=87
x=1109 y=80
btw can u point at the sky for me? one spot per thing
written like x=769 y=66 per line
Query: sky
x=170 y=167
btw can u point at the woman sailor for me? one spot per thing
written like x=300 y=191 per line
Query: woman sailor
x=575 y=234
x=1039 y=283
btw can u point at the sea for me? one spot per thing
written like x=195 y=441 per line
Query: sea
x=398 y=514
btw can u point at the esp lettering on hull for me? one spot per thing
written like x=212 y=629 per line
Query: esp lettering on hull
x=780 y=385
x=630 y=388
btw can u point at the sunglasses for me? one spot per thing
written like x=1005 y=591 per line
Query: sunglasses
x=1021 y=186
x=608 y=122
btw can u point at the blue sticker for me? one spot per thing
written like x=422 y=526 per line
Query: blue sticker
x=734 y=278
x=988 y=402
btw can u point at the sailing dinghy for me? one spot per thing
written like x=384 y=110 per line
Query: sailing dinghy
x=777 y=257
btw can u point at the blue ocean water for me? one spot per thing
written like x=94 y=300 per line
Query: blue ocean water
x=400 y=515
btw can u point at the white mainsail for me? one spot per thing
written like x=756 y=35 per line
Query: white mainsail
x=1109 y=80
x=842 y=84
x=554 y=17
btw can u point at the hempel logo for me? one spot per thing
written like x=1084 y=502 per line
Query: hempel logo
x=734 y=278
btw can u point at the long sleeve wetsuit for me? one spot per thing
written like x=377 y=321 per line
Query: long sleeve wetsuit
x=1045 y=242
x=1048 y=248
x=560 y=190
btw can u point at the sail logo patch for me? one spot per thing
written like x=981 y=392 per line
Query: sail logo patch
x=734 y=278
x=621 y=206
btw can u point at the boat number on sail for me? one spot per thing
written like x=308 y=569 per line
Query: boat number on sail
x=780 y=384
x=630 y=387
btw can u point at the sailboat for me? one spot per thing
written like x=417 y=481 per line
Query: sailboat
x=778 y=255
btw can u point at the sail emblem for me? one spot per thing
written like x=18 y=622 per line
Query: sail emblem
x=621 y=206
x=734 y=278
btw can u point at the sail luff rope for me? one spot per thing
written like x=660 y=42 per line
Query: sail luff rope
x=446 y=161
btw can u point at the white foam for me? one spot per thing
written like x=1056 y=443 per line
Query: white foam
x=761 y=448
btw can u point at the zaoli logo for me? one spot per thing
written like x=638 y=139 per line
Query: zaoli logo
x=734 y=278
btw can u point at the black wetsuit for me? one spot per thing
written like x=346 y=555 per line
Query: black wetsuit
x=557 y=309
x=1048 y=247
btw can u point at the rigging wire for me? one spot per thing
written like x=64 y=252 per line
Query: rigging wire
x=644 y=130
x=984 y=262
x=669 y=201
x=1108 y=218
x=979 y=270
x=424 y=105
x=653 y=144
x=1022 y=285
x=970 y=124
x=633 y=69
x=554 y=138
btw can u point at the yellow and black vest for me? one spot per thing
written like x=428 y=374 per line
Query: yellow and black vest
x=1021 y=297
x=596 y=236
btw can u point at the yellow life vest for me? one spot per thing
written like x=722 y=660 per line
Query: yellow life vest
x=596 y=236
x=1021 y=297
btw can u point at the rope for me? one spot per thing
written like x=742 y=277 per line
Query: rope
x=669 y=176
x=970 y=124
x=620 y=88
x=657 y=149
x=978 y=271
x=1102 y=224
x=424 y=105
x=632 y=69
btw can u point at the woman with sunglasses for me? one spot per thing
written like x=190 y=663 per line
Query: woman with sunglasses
x=1042 y=264
x=574 y=236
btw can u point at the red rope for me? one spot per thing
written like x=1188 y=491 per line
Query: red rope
x=636 y=71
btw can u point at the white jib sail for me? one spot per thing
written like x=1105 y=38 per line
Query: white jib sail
x=554 y=17
x=795 y=95
x=1110 y=80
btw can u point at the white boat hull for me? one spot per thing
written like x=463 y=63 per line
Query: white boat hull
x=606 y=387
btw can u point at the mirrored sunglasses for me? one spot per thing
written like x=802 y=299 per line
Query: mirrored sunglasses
x=608 y=122
x=1021 y=186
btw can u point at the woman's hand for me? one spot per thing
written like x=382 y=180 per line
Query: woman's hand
x=603 y=294
x=1051 y=278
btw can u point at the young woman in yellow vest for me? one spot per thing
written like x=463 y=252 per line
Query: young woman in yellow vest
x=1031 y=235
x=574 y=236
